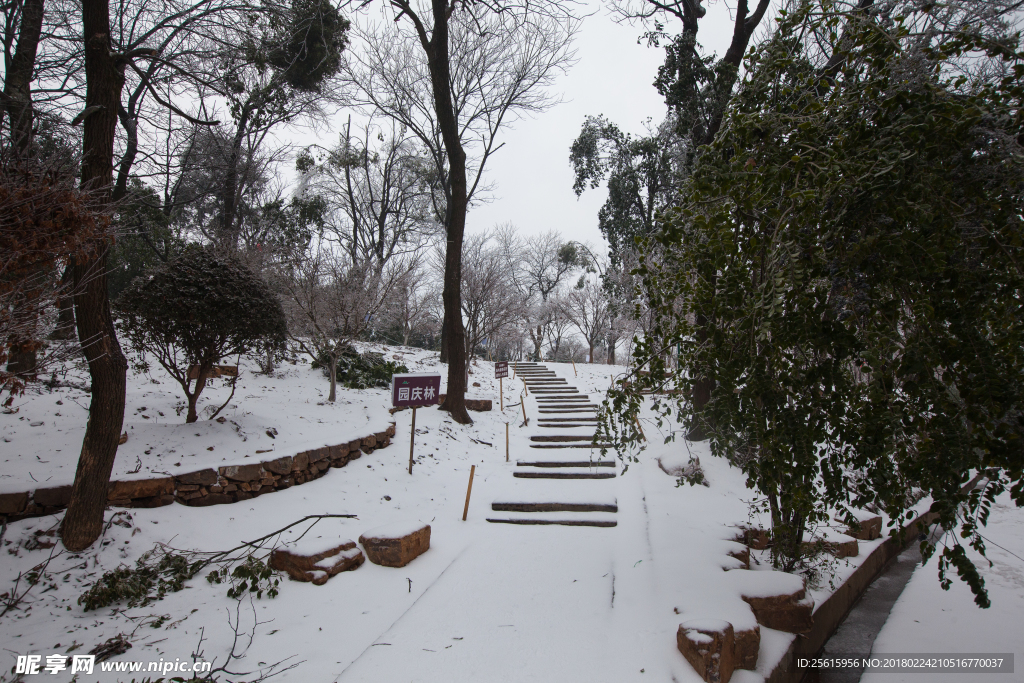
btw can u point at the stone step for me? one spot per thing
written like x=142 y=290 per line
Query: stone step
x=564 y=475
x=561 y=522
x=589 y=444
x=567 y=419
x=564 y=425
x=574 y=397
x=567 y=411
x=566 y=463
x=560 y=437
x=554 y=507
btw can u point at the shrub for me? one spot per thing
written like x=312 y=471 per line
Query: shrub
x=360 y=371
x=195 y=310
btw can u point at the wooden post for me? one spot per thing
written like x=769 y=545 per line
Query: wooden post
x=637 y=418
x=465 y=510
x=523 y=404
x=516 y=363
x=412 y=438
x=506 y=442
x=574 y=367
x=501 y=392
x=526 y=388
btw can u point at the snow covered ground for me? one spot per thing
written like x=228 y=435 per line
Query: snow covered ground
x=487 y=602
x=927 y=619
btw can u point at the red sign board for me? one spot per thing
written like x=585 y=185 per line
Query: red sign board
x=415 y=389
x=501 y=369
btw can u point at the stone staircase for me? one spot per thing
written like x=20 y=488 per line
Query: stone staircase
x=547 y=500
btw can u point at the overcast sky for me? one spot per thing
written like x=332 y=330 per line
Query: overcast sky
x=613 y=76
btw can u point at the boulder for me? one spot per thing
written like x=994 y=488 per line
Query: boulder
x=748 y=644
x=316 y=566
x=709 y=646
x=870 y=528
x=279 y=466
x=790 y=612
x=242 y=472
x=391 y=429
x=140 y=488
x=54 y=496
x=206 y=477
x=318 y=454
x=153 y=502
x=741 y=553
x=211 y=499
x=380 y=438
x=13 y=503
x=300 y=462
x=480 y=405
x=396 y=545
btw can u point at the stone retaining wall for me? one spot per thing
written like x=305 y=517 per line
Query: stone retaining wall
x=228 y=484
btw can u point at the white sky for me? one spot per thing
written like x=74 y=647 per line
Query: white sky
x=613 y=76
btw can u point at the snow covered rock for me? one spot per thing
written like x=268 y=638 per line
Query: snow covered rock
x=778 y=600
x=13 y=503
x=709 y=645
x=396 y=545
x=870 y=525
x=307 y=563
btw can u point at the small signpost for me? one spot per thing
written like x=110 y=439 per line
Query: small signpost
x=500 y=373
x=413 y=390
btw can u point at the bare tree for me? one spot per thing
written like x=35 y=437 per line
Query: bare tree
x=489 y=301
x=539 y=264
x=379 y=197
x=330 y=301
x=587 y=308
x=454 y=74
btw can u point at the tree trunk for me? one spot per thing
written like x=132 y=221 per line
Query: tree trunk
x=83 y=521
x=17 y=97
x=65 y=328
x=444 y=337
x=229 y=203
x=453 y=334
x=17 y=103
x=334 y=377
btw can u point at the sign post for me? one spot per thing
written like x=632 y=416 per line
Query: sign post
x=413 y=390
x=500 y=373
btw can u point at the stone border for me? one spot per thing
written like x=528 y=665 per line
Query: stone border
x=830 y=614
x=228 y=484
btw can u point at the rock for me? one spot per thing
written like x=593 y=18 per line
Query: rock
x=211 y=499
x=396 y=545
x=55 y=496
x=758 y=538
x=709 y=646
x=242 y=472
x=319 y=454
x=789 y=612
x=123 y=440
x=369 y=441
x=870 y=529
x=748 y=644
x=379 y=438
x=741 y=553
x=153 y=502
x=279 y=466
x=316 y=567
x=207 y=477
x=480 y=405
x=13 y=503
x=391 y=429
x=300 y=462
x=140 y=488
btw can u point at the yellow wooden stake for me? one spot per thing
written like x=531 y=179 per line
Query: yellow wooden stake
x=506 y=442
x=465 y=510
x=412 y=438
x=523 y=404
x=574 y=367
x=637 y=418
